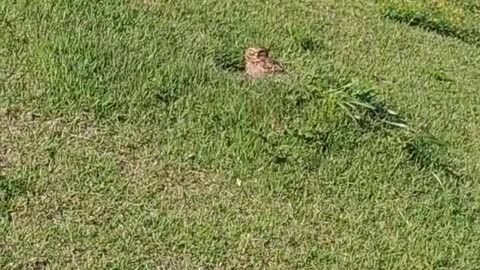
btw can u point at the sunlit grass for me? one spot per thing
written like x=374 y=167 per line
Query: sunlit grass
x=129 y=138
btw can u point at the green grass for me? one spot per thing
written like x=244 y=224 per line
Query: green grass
x=130 y=140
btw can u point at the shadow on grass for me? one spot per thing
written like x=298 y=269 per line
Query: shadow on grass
x=439 y=26
x=9 y=189
x=229 y=60
x=309 y=44
x=428 y=152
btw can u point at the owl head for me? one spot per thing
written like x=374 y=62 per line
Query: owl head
x=253 y=53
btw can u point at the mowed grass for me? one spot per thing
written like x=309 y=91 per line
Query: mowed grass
x=130 y=140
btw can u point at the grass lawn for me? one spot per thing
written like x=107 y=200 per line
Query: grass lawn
x=129 y=138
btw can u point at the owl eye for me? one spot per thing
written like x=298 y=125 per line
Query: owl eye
x=262 y=53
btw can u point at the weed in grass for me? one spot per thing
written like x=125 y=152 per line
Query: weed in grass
x=440 y=76
x=359 y=102
x=363 y=107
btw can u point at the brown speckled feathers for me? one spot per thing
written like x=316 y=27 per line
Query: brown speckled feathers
x=258 y=63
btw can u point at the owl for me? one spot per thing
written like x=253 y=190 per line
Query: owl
x=259 y=64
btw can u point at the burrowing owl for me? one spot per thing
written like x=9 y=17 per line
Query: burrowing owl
x=258 y=63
